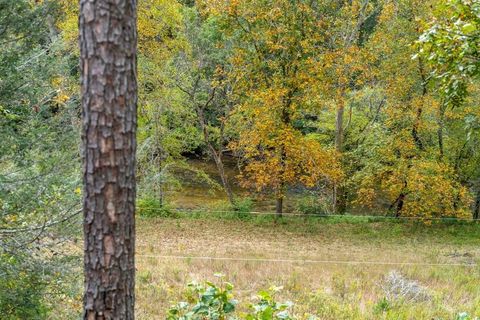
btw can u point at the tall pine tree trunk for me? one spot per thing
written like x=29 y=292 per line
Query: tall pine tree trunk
x=109 y=96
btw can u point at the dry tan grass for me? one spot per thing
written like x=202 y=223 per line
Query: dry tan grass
x=332 y=291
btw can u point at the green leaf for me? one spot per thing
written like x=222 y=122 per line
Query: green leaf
x=469 y=28
x=228 y=286
x=265 y=295
x=229 y=307
x=267 y=314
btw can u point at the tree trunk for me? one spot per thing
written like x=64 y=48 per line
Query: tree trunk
x=401 y=201
x=339 y=204
x=109 y=96
x=441 y=124
x=221 y=171
x=160 y=184
x=419 y=112
x=279 y=206
x=415 y=128
x=476 y=209
x=216 y=155
x=280 y=190
x=339 y=127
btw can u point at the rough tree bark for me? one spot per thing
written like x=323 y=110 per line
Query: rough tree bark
x=109 y=97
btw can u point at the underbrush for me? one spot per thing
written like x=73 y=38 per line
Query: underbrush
x=315 y=205
x=241 y=208
x=152 y=208
x=256 y=253
x=21 y=289
x=210 y=301
x=33 y=288
x=359 y=226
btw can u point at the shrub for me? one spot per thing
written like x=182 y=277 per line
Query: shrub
x=382 y=306
x=151 y=208
x=21 y=290
x=243 y=206
x=314 y=205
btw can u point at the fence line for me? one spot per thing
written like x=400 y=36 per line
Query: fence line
x=290 y=214
x=309 y=261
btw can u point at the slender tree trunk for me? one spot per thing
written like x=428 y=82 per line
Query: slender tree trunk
x=221 y=171
x=419 y=112
x=160 y=184
x=280 y=191
x=400 y=203
x=339 y=204
x=415 y=128
x=216 y=155
x=476 y=208
x=109 y=96
x=279 y=196
x=441 y=124
x=279 y=206
x=339 y=127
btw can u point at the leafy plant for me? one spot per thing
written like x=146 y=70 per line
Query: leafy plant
x=209 y=301
x=382 y=306
x=267 y=308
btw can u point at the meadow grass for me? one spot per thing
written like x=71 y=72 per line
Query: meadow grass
x=328 y=290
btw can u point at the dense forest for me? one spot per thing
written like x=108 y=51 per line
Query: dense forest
x=349 y=107
x=341 y=99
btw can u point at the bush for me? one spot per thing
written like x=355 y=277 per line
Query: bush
x=151 y=208
x=243 y=206
x=21 y=290
x=314 y=205
x=209 y=301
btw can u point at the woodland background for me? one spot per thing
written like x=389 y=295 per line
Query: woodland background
x=363 y=107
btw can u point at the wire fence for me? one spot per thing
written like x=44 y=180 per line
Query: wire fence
x=304 y=215
x=305 y=261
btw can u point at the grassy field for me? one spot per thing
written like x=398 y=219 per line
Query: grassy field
x=327 y=287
